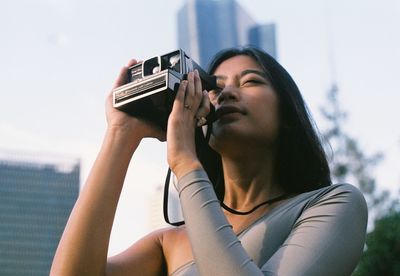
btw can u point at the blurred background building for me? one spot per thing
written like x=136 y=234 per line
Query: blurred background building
x=156 y=202
x=37 y=193
x=208 y=26
x=155 y=215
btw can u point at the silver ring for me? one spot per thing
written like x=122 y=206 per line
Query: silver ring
x=201 y=121
x=187 y=106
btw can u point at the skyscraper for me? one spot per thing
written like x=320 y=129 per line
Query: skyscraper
x=263 y=36
x=207 y=26
x=36 y=196
x=156 y=216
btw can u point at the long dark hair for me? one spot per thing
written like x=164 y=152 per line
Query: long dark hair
x=301 y=163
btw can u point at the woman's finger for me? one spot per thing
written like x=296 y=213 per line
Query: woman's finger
x=180 y=96
x=123 y=74
x=190 y=92
x=203 y=110
x=198 y=93
x=193 y=94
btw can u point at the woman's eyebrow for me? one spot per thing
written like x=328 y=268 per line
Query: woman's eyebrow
x=246 y=72
x=252 y=71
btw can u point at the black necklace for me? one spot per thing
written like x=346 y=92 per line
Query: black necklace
x=270 y=201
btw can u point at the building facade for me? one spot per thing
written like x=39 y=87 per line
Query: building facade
x=37 y=194
x=208 y=26
x=264 y=37
x=156 y=208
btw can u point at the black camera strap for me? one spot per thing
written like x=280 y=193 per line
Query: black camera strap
x=202 y=140
x=165 y=201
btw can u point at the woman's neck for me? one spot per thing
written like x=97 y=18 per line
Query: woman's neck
x=249 y=180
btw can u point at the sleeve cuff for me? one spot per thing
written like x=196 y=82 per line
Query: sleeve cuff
x=198 y=175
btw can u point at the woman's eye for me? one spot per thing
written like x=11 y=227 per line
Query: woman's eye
x=251 y=81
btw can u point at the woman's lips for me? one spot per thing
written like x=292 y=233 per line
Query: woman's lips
x=229 y=109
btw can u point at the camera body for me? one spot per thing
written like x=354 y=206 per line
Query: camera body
x=152 y=86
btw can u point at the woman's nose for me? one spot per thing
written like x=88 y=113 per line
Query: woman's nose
x=229 y=93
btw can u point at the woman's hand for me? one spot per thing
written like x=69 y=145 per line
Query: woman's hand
x=118 y=120
x=191 y=103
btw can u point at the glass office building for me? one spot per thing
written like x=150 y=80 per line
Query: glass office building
x=263 y=36
x=36 y=197
x=207 y=26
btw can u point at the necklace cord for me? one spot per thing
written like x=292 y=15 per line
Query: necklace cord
x=270 y=201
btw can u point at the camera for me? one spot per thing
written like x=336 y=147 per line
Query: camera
x=152 y=86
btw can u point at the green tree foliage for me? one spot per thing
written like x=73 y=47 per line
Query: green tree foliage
x=348 y=161
x=382 y=254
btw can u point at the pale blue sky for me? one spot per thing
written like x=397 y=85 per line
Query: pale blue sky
x=59 y=58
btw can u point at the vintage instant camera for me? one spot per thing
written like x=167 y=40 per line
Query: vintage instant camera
x=153 y=84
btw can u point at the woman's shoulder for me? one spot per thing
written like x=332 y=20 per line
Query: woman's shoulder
x=176 y=247
x=146 y=254
x=340 y=193
x=168 y=236
x=340 y=190
x=165 y=233
x=345 y=195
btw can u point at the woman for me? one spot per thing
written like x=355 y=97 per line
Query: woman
x=279 y=215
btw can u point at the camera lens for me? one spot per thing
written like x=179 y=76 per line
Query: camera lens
x=151 y=66
x=174 y=63
x=156 y=69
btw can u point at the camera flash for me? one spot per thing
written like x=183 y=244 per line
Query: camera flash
x=174 y=60
x=156 y=69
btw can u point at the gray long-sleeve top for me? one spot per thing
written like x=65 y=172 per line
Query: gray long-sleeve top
x=321 y=232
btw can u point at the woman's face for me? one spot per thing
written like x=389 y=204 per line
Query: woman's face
x=247 y=106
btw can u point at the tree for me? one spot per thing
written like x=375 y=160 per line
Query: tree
x=381 y=256
x=349 y=163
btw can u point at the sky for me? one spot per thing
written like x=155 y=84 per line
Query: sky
x=59 y=59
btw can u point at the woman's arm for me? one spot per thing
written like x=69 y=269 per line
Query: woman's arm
x=327 y=239
x=84 y=243
x=216 y=248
